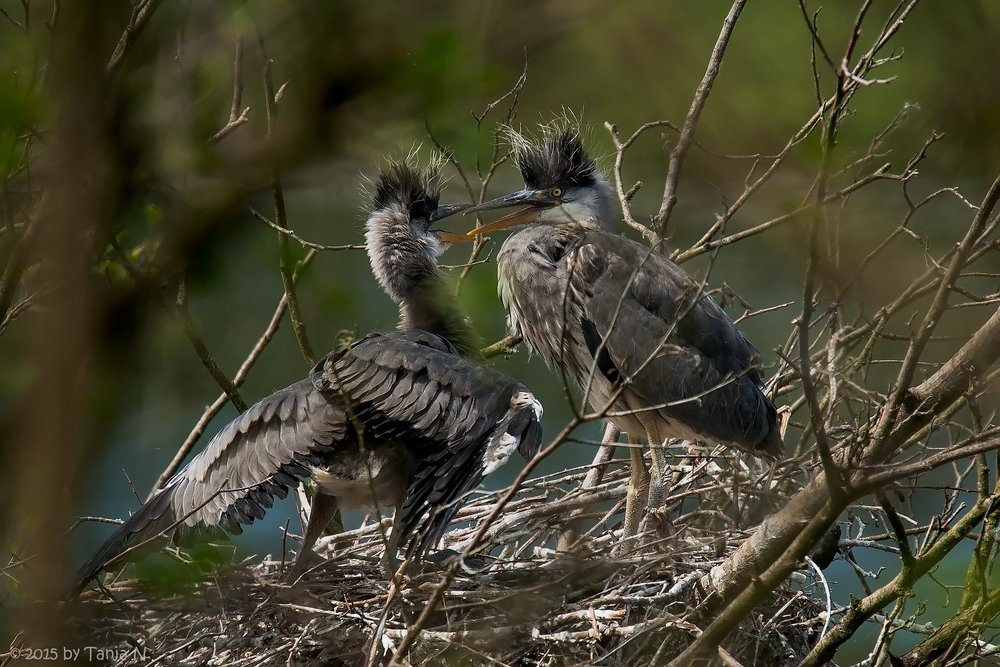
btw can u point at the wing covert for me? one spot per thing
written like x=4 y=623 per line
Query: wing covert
x=676 y=343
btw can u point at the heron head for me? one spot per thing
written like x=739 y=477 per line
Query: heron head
x=402 y=245
x=561 y=186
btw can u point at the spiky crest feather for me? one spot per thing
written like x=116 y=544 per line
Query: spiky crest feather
x=557 y=159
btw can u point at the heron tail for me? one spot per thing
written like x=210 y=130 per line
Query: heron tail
x=773 y=447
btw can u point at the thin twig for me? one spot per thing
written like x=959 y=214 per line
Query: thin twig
x=662 y=217
x=141 y=13
x=291 y=234
x=181 y=314
x=236 y=117
x=284 y=253
x=241 y=375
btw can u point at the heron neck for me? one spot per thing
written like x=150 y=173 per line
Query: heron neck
x=433 y=306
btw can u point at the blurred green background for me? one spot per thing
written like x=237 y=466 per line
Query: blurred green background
x=365 y=80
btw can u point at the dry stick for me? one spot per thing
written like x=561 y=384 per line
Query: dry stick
x=804 y=132
x=978 y=603
x=141 y=13
x=863 y=67
x=236 y=118
x=11 y=278
x=976 y=584
x=687 y=130
x=955 y=631
x=951 y=381
x=833 y=474
x=700 y=249
x=284 y=254
x=569 y=535
x=414 y=630
x=17 y=24
x=861 y=610
x=759 y=588
x=903 y=225
x=495 y=161
x=505 y=346
x=624 y=198
x=484 y=181
x=179 y=311
x=212 y=410
x=931 y=319
x=301 y=241
x=604 y=453
x=783 y=538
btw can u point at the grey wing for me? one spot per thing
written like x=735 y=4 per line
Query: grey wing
x=675 y=343
x=234 y=479
x=258 y=456
x=461 y=420
x=442 y=486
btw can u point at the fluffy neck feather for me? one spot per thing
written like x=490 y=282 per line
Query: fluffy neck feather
x=406 y=268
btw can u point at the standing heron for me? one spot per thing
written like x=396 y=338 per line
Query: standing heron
x=636 y=333
x=393 y=419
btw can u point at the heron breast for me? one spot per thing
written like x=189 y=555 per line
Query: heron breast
x=378 y=480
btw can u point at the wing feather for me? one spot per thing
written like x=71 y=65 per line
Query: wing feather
x=409 y=385
x=675 y=342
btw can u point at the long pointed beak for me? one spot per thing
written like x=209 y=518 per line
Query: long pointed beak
x=444 y=210
x=536 y=204
x=513 y=199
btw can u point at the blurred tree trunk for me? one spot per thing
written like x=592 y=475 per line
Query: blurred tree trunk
x=78 y=173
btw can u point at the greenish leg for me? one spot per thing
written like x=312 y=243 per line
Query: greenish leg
x=638 y=488
x=658 y=468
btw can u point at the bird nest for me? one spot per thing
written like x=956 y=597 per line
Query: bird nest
x=559 y=586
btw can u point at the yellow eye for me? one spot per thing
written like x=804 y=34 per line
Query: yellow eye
x=557 y=192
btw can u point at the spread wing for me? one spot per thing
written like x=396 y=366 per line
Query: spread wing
x=234 y=480
x=460 y=420
x=408 y=386
x=675 y=343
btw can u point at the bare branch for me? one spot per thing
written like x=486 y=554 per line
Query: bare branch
x=291 y=234
x=180 y=312
x=930 y=321
x=241 y=375
x=236 y=117
x=662 y=217
x=284 y=253
x=141 y=13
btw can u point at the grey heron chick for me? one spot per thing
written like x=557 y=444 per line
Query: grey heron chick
x=637 y=334
x=396 y=419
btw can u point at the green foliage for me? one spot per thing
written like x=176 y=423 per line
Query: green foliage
x=20 y=110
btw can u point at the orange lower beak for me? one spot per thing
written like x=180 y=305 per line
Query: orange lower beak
x=452 y=237
x=516 y=218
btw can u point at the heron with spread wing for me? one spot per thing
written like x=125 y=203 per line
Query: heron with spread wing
x=397 y=419
x=637 y=334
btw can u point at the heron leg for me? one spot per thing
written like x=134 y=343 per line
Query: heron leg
x=390 y=563
x=658 y=470
x=324 y=509
x=638 y=487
